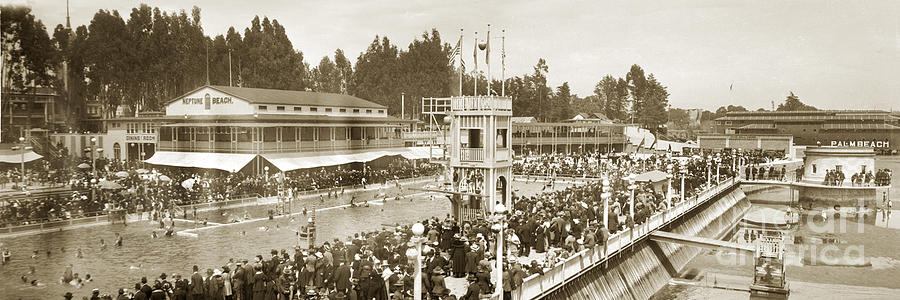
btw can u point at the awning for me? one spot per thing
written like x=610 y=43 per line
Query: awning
x=306 y=160
x=15 y=157
x=652 y=176
x=230 y=162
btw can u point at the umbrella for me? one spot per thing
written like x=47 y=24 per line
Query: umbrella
x=84 y=166
x=141 y=171
x=110 y=185
x=188 y=183
x=165 y=178
x=122 y=174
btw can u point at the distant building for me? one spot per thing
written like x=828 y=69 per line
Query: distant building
x=39 y=108
x=875 y=129
x=597 y=118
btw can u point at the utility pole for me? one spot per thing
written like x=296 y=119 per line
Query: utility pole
x=402 y=105
x=503 y=63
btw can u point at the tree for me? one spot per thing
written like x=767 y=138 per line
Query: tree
x=345 y=70
x=792 y=103
x=680 y=118
x=612 y=95
x=326 y=77
x=723 y=110
x=28 y=55
x=649 y=99
x=375 y=77
x=269 y=59
x=561 y=109
x=538 y=83
x=424 y=70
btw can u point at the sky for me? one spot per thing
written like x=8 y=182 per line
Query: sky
x=709 y=53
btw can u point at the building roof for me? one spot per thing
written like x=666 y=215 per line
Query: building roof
x=282 y=118
x=806 y=116
x=861 y=126
x=758 y=126
x=272 y=96
x=524 y=120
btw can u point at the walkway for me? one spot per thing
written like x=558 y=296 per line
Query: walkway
x=536 y=285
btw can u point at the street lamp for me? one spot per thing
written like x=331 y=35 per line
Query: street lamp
x=708 y=170
x=23 y=148
x=669 y=168
x=498 y=218
x=683 y=174
x=416 y=254
x=447 y=121
x=718 y=166
x=632 y=187
x=605 y=196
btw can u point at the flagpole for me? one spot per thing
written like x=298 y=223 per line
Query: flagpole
x=503 y=63
x=487 y=59
x=459 y=53
x=476 y=65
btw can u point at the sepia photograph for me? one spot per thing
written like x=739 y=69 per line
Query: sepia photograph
x=461 y=150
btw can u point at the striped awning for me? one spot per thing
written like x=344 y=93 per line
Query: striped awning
x=16 y=157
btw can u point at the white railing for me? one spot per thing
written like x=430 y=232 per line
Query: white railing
x=469 y=103
x=535 y=285
x=471 y=154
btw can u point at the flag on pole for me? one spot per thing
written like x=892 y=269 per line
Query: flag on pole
x=475 y=54
x=731 y=87
x=455 y=52
x=487 y=48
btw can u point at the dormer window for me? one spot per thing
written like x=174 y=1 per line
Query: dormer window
x=263 y=108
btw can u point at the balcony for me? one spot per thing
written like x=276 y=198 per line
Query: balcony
x=471 y=154
x=481 y=103
x=502 y=155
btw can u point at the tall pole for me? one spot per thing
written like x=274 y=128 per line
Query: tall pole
x=230 y=82
x=475 y=62
x=402 y=105
x=503 y=64
x=207 y=63
x=460 y=61
x=487 y=59
x=682 y=184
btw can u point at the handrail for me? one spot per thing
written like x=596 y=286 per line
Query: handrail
x=565 y=271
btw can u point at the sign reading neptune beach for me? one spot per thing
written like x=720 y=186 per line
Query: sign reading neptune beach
x=862 y=144
x=208 y=101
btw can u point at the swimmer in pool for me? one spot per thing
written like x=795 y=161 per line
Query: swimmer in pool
x=102 y=245
x=153 y=234
x=118 y=240
x=78 y=253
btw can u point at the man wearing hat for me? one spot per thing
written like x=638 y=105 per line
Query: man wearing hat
x=341 y=277
x=179 y=288
x=473 y=292
x=68 y=296
x=472 y=259
x=438 y=286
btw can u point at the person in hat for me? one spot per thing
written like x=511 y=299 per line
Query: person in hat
x=341 y=277
x=68 y=296
x=438 y=285
x=458 y=257
x=180 y=287
x=474 y=289
x=472 y=259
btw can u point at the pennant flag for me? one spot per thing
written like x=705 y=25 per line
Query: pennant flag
x=475 y=55
x=487 y=50
x=731 y=87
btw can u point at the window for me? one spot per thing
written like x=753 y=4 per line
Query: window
x=307 y=134
x=202 y=134
x=355 y=110
x=279 y=108
x=289 y=134
x=263 y=108
x=343 y=110
x=324 y=134
x=814 y=168
x=328 y=109
x=243 y=134
x=223 y=134
x=314 y=109
x=298 y=108
x=117 y=151
x=165 y=134
x=184 y=134
x=838 y=168
x=356 y=133
x=380 y=111
x=270 y=134
x=368 y=111
x=340 y=133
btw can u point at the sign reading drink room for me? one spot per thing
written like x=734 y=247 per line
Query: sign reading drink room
x=862 y=144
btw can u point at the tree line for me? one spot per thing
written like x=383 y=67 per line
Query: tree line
x=157 y=55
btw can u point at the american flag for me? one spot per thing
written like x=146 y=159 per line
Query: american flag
x=456 y=52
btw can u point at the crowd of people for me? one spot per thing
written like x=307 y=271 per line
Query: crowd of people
x=155 y=191
x=374 y=265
